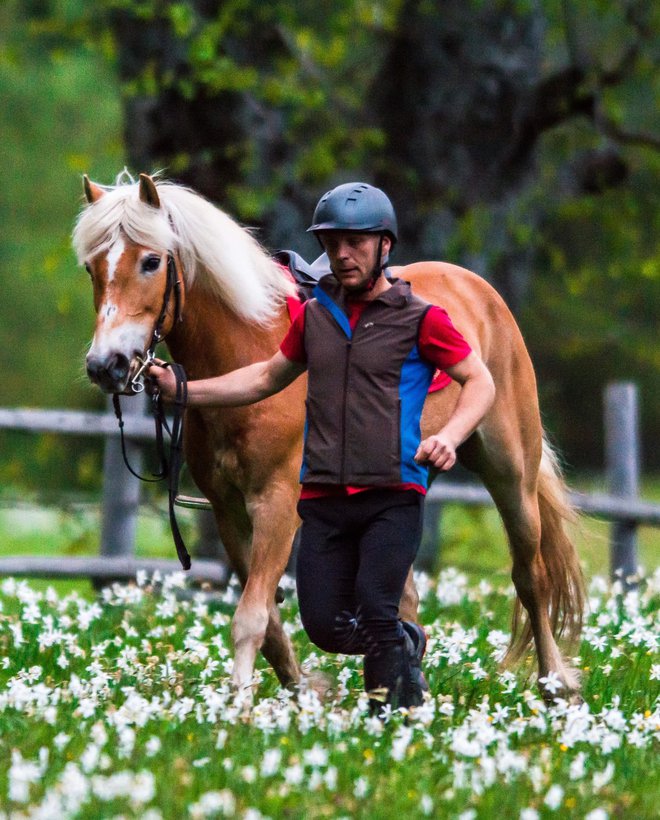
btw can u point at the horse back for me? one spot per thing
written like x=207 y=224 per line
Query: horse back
x=476 y=310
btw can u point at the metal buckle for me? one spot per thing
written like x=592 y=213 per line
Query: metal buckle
x=137 y=382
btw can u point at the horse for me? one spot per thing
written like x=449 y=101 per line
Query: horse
x=233 y=310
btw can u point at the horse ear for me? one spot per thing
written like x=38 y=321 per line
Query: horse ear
x=93 y=192
x=148 y=192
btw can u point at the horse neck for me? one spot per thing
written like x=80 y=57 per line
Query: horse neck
x=212 y=340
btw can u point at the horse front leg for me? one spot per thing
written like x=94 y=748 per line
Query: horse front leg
x=409 y=604
x=256 y=624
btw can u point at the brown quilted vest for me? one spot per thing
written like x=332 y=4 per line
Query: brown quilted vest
x=366 y=388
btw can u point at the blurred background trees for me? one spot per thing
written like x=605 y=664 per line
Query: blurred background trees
x=519 y=138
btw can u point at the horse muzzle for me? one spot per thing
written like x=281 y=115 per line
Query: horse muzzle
x=109 y=372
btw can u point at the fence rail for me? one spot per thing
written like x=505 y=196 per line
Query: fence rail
x=121 y=492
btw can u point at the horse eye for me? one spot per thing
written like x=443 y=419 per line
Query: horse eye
x=151 y=264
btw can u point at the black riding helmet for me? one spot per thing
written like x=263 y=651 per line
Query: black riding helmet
x=355 y=206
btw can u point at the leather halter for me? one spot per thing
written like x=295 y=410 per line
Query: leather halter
x=169 y=469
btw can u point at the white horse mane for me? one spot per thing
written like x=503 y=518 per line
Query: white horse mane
x=215 y=251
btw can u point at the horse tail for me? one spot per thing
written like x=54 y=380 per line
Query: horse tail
x=567 y=591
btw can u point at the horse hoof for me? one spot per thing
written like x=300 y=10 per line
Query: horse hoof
x=244 y=700
x=572 y=696
x=320 y=683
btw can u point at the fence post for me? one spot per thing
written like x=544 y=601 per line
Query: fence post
x=622 y=464
x=121 y=490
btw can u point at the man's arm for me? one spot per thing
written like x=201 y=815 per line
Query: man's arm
x=475 y=400
x=246 y=385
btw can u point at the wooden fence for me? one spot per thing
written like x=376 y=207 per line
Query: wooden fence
x=121 y=493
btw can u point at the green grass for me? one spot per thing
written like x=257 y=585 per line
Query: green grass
x=123 y=707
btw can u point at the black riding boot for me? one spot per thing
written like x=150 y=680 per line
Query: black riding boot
x=415 y=644
x=385 y=676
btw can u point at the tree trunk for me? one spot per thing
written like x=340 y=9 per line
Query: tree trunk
x=452 y=97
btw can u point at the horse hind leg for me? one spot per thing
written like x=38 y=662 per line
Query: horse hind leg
x=545 y=570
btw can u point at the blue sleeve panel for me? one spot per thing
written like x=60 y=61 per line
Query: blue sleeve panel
x=416 y=376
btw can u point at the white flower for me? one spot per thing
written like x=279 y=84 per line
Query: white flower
x=361 y=787
x=655 y=672
x=271 y=762
x=21 y=774
x=249 y=774
x=60 y=740
x=577 y=768
x=426 y=804
x=478 y=672
x=552 y=682
x=400 y=743
x=529 y=814
x=330 y=778
x=214 y=802
x=597 y=814
x=152 y=746
x=293 y=775
x=554 y=797
x=316 y=756
x=601 y=779
x=143 y=788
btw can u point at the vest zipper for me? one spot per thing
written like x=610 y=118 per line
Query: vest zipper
x=342 y=471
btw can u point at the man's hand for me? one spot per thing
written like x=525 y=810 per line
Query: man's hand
x=164 y=379
x=437 y=451
x=474 y=401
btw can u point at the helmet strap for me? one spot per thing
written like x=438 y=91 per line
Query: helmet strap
x=378 y=268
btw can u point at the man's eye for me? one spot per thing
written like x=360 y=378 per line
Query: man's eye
x=150 y=264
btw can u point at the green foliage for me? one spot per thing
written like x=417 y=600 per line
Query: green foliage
x=60 y=117
x=307 y=69
x=593 y=312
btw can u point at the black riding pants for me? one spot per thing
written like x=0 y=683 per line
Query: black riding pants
x=354 y=555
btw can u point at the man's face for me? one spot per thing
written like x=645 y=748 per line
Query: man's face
x=353 y=255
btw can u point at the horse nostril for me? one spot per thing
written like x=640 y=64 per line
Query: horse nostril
x=117 y=367
x=109 y=372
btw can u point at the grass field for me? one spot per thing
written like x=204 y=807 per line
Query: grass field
x=120 y=705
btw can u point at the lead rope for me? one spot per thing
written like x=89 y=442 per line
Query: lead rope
x=176 y=459
x=168 y=470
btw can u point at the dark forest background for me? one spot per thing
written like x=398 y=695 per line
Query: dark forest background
x=519 y=138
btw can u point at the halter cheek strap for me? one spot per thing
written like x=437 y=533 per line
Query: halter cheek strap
x=171 y=469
